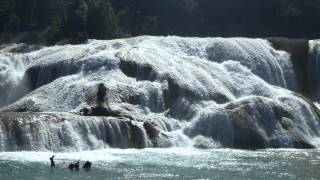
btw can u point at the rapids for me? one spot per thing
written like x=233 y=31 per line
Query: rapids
x=169 y=163
x=172 y=92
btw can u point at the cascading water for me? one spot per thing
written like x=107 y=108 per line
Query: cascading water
x=169 y=91
x=13 y=84
x=314 y=68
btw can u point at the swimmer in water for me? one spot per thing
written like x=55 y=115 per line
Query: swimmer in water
x=52 y=162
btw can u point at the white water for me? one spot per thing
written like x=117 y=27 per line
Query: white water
x=202 y=86
x=314 y=67
x=170 y=163
x=12 y=83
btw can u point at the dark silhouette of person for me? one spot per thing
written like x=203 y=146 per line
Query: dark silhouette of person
x=101 y=94
x=71 y=166
x=102 y=108
x=77 y=165
x=87 y=165
x=52 y=162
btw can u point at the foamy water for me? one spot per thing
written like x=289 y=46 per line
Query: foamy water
x=213 y=84
x=197 y=92
x=170 y=163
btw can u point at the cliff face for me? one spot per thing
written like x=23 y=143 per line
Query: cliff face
x=235 y=92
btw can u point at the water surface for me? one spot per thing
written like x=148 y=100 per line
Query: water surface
x=172 y=163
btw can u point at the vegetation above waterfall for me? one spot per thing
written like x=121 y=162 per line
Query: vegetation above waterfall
x=74 y=21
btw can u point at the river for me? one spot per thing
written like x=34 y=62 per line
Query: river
x=169 y=163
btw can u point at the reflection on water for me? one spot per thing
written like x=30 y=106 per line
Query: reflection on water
x=165 y=164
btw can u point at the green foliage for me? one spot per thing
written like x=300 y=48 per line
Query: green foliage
x=74 y=21
x=77 y=16
x=9 y=21
x=102 y=21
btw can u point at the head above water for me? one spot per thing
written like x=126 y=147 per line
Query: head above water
x=87 y=165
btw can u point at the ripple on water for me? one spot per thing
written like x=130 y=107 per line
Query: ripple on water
x=171 y=163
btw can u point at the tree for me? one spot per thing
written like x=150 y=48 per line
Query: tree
x=9 y=21
x=102 y=21
x=77 y=16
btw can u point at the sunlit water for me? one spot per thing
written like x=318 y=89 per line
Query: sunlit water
x=165 y=164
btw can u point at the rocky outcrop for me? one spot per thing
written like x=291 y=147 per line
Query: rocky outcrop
x=40 y=75
x=255 y=123
x=146 y=91
x=60 y=132
x=299 y=51
x=295 y=134
x=102 y=108
x=152 y=131
x=24 y=48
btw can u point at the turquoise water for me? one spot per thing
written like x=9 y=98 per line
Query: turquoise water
x=169 y=163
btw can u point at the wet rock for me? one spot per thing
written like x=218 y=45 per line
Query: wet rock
x=246 y=135
x=103 y=111
x=297 y=137
x=36 y=131
x=24 y=48
x=201 y=142
x=139 y=71
x=151 y=129
x=253 y=123
x=85 y=111
x=297 y=47
x=299 y=50
x=40 y=75
x=256 y=123
x=137 y=136
x=100 y=111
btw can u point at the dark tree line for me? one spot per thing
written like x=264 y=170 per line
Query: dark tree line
x=51 y=21
x=73 y=21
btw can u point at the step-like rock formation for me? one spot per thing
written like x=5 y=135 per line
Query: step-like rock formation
x=160 y=92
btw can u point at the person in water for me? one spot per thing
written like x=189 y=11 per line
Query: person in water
x=71 y=166
x=77 y=165
x=87 y=165
x=52 y=162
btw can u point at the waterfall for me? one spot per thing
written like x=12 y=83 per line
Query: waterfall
x=166 y=91
x=314 y=68
x=63 y=132
x=13 y=83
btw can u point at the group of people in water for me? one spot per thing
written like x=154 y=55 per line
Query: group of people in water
x=73 y=166
x=102 y=109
